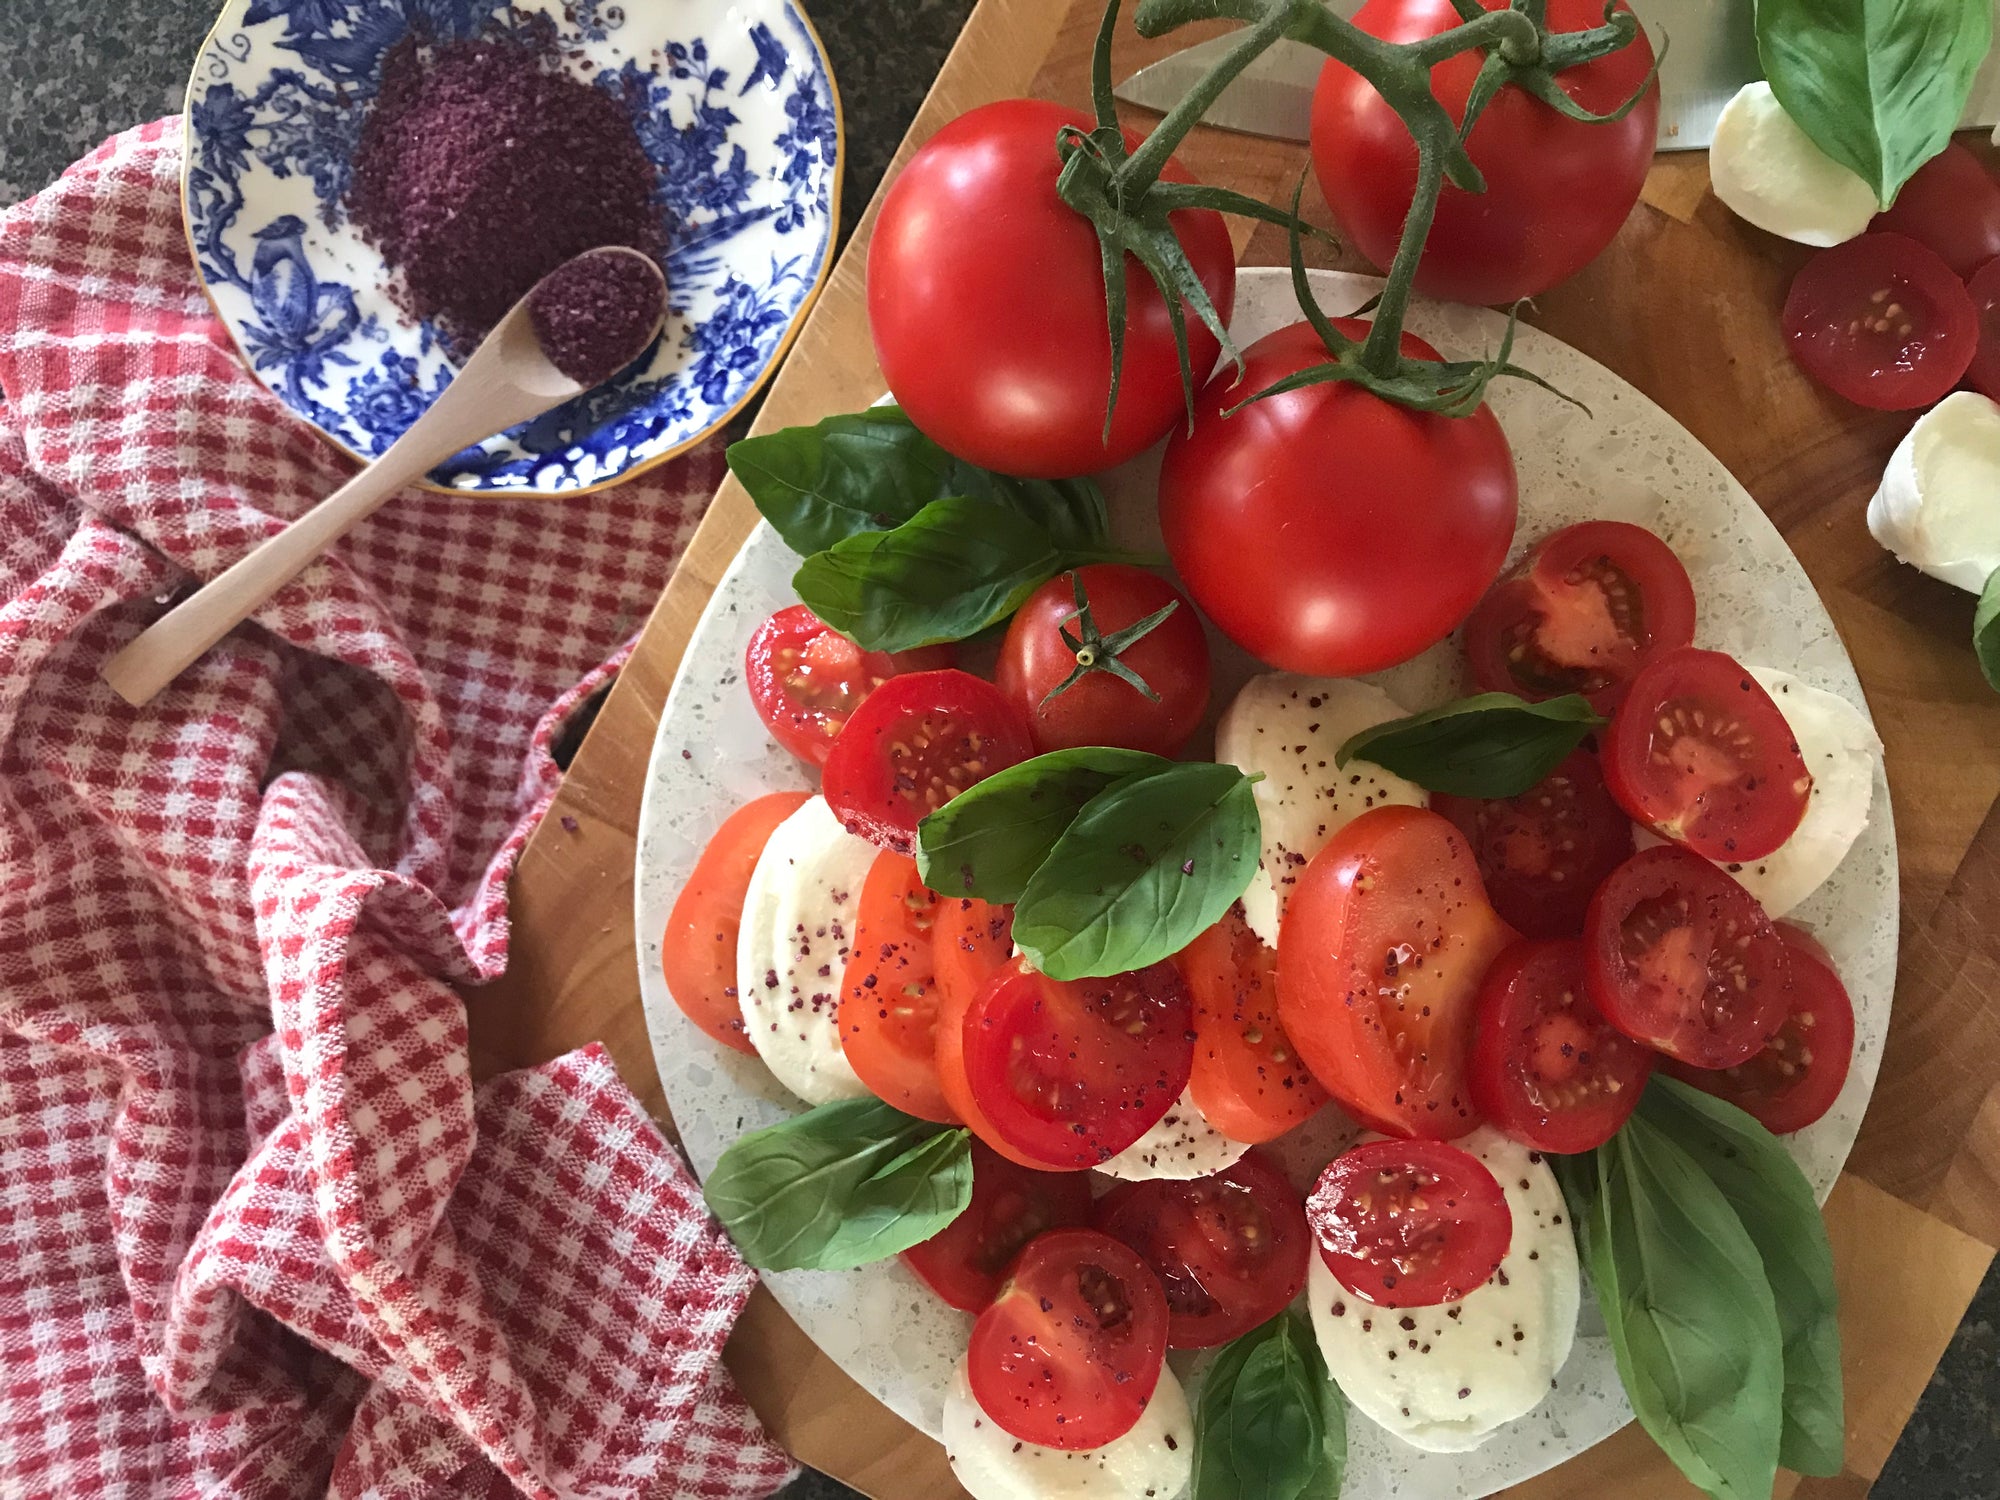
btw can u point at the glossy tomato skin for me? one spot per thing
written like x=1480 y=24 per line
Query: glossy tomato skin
x=1983 y=374
x=1067 y=1355
x=1410 y=1223
x=1100 y=709
x=1326 y=530
x=806 y=679
x=1882 y=321
x=1557 y=190
x=1231 y=1250
x=986 y=302
x=1248 y=1080
x=1952 y=204
x=1380 y=958
x=889 y=993
x=963 y=951
x=966 y=1262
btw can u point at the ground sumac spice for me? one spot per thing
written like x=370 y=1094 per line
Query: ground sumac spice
x=482 y=167
x=596 y=314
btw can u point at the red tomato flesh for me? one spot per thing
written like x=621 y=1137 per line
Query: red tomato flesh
x=1067 y=1355
x=1882 y=321
x=965 y=1262
x=1230 y=1249
x=1409 y=1223
x=889 y=992
x=1248 y=1079
x=1983 y=374
x=1952 y=205
x=806 y=678
x=966 y=958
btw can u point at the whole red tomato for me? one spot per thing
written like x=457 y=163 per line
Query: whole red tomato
x=986 y=301
x=1326 y=530
x=1556 y=189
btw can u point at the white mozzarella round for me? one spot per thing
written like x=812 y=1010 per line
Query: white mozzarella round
x=1443 y=1378
x=1153 y=1461
x=1768 y=171
x=1182 y=1145
x=1289 y=728
x=798 y=920
x=1938 y=506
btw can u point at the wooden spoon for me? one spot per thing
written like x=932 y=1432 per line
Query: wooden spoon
x=508 y=380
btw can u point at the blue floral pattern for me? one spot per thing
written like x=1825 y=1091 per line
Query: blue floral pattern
x=738 y=118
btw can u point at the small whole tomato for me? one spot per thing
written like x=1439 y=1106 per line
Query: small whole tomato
x=1074 y=649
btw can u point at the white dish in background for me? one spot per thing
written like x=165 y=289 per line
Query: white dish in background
x=1627 y=460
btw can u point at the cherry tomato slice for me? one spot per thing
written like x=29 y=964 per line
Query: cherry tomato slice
x=1983 y=374
x=1248 y=1079
x=1882 y=321
x=1581 y=613
x=1700 y=754
x=914 y=744
x=806 y=678
x=1379 y=961
x=1952 y=205
x=698 y=949
x=1071 y=1073
x=1230 y=1250
x=965 y=1262
x=1068 y=1353
x=1682 y=958
x=970 y=944
x=1799 y=1073
x=1546 y=1067
x=1409 y=1223
x=889 y=991
x=1544 y=852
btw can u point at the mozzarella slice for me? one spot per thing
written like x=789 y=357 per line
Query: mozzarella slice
x=1768 y=171
x=1938 y=506
x=1288 y=728
x=798 y=917
x=1182 y=1145
x=1155 y=1459
x=1443 y=1378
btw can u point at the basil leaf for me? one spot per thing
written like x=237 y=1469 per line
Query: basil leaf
x=1072 y=511
x=1775 y=1202
x=1879 y=85
x=1986 y=631
x=840 y=1185
x=1489 y=745
x=1148 y=864
x=1270 y=1424
x=1691 y=1317
x=989 y=839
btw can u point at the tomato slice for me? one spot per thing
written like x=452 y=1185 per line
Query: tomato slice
x=1248 y=1078
x=968 y=946
x=1544 y=852
x=965 y=1262
x=1409 y=1223
x=1952 y=204
x=1984 y=371
x=1699 y=753
x=1380 y=957
x=1679 y=956
x=1799 y=1072
x=1071 y=1073
x=698 y=949
x=1546 y=1067
x=914 y=744
x=1581 y=613
x=806 y=678
x=889 y=991
x=1230 y=1250
x=1882 y=321
x=1068 y=1353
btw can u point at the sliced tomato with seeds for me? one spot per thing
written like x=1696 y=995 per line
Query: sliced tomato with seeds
x=954 y=1006
x=1248 y=1079
x=806 y=678
x=1067 y=1355
x=966 y=1261
x=1409 y=1223
x=1546 y=1067
x=1585 y=609
x=914 y=744
x=972 y=938
x=1543 y=853
x=1679 y=956
x=1883 y=321
x=1700 y=754
x=889 y=991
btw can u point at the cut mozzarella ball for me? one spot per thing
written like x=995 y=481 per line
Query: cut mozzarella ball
x=798 y=916
x=1442 y=1378
x=1938 y=507
x=1182 y=1145
x=1156 y=1458
x=1768 y=171
x=1289 y=729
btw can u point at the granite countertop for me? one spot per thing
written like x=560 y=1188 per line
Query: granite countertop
x=75 y=71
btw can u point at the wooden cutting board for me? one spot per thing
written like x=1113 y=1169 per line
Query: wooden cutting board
x=1684 y=305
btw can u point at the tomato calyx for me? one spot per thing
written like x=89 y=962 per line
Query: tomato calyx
x=1097 y=652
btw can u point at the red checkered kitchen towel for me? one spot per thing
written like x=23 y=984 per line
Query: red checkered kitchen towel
x=259 y=1234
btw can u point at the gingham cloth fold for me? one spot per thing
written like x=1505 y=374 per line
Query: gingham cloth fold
x=259 y=1233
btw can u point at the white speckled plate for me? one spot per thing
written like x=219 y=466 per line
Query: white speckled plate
x=1629 y=461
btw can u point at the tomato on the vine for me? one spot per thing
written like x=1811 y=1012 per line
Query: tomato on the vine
x=806 y=678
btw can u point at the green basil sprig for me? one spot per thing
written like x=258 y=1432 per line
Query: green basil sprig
x=1879 y=85
x=1986 y=631
x=1488 y=745
x=1269 y=1424
x=839 y=1186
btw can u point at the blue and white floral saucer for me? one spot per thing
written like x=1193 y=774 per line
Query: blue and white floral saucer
x=743 y=124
